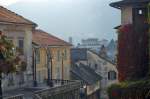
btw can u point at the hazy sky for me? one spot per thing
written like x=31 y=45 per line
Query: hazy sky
x=63 y=18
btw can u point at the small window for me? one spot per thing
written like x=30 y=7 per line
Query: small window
x=112 y=75
x=58 y=55
x=37 y=56
x=21 y=43
x=65 y=56
x=96 y=66
x=140 y=12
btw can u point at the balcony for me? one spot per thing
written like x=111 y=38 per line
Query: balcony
x=62 y=89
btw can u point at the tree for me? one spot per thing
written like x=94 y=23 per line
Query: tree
x=10 y=61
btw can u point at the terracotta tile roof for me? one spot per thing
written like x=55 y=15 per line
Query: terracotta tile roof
x=42 y=38
x=7 y=16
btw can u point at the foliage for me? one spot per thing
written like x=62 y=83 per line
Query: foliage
x=125 y=28
x=126 y=89
x=10 y=61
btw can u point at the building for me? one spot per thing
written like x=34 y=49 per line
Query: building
x=92 y=44
x=51 y=53
x=100 y=65
x=90 y=81
x=18 y=85
x=105 y=68
x=133 y=39
x=78 y=54
x=19 y=31
x=91 y=86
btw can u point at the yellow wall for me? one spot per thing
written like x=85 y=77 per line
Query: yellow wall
x=41 y=67
x=56 y=64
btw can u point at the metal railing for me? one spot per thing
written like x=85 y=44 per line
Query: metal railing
x=20 y=96
x=62 y=89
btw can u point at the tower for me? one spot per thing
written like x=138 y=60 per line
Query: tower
x=132 y=58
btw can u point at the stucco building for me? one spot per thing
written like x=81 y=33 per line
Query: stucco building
x=52 y=53
x=105 y=68
x=100 y=65
x=19 y=31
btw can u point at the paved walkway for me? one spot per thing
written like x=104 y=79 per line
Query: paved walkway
x=27 y=92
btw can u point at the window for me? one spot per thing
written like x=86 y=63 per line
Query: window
x=37 y=56
x=58 y=75
x=65 y=56
x=21 y=45
x=58 y=55
x=112 y=75
x=140 y=12
x=96 y=66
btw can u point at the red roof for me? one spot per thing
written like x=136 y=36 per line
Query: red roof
x=7 y=16
x=42 y=38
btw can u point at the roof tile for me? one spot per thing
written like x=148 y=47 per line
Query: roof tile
x=42 y=38
x=8 y=16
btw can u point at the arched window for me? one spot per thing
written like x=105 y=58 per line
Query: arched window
x=112 y=75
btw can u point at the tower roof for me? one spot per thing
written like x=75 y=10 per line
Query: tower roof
x=118 y=4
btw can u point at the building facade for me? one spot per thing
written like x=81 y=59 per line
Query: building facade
x=51 y=53
x=100 y=65
x=19 y=31
x=105 y=68
x=91 y=86
x=92 y=44
x=40 y=49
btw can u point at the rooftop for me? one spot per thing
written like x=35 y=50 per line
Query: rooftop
x=86 y=74
x=9 y=17
x=43 y=38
